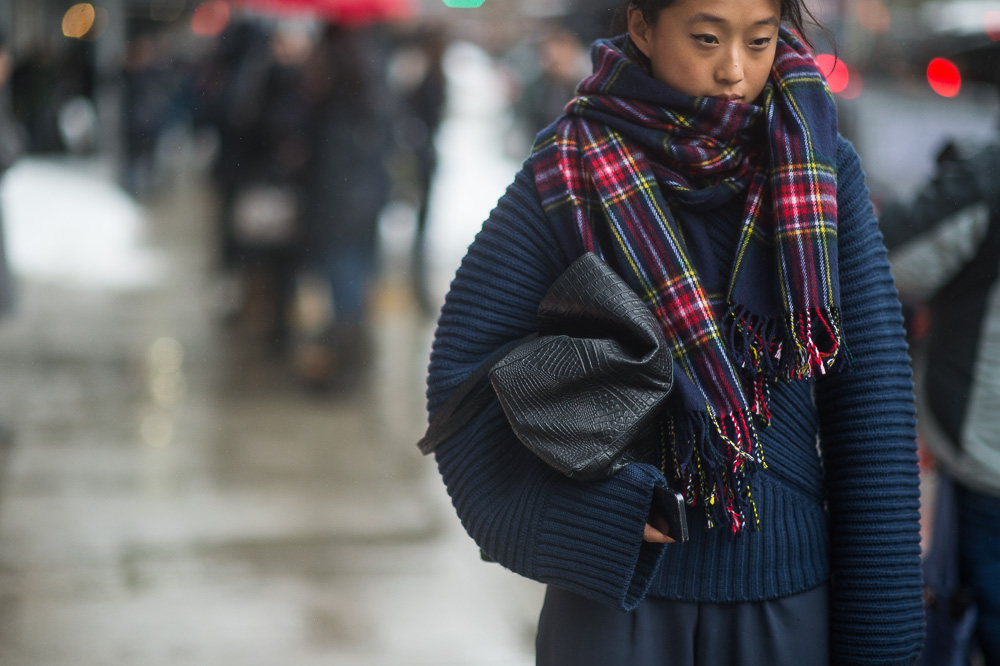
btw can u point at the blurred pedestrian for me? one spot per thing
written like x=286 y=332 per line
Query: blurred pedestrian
x=147 y=100
x=36 y=92
x=422 y=92
x=702 y=162
x=563 y=60
x=346 y=187
x=255 y=101
x=227 y=90
x=945 y=253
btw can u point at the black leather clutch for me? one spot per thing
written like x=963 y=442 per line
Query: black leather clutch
x=580 y=392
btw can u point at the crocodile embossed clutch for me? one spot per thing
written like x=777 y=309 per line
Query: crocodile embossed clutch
x=581 y=392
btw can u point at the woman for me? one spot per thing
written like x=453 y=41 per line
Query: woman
x=701 y=160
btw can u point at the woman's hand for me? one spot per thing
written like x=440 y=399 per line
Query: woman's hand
x=653 y=535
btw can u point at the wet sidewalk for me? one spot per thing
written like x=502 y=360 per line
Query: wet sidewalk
x=174 y=497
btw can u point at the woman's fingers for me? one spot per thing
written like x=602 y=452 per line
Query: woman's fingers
x=653 y=535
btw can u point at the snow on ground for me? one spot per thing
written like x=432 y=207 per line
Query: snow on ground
x=66 y=223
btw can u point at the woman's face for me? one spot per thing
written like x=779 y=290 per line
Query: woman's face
x=711 y=48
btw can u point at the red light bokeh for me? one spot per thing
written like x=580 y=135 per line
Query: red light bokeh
x=944 y=77
x=835 y=71
x=210 y=18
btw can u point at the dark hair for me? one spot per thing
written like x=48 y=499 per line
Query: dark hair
x=794 y=13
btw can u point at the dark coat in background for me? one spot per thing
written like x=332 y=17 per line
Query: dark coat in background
x=348 y=130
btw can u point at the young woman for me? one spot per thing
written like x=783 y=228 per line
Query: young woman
x=701 y=161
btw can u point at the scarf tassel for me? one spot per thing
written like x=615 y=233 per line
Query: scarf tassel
x=817 y=344
x=714 y=459
x=758 y=342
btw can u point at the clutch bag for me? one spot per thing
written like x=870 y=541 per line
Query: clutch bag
x=581 y=391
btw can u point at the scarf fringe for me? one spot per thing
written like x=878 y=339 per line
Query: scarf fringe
x=759 y=343
x=714 y=460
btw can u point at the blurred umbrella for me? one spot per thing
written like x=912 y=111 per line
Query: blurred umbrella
x=349 y=12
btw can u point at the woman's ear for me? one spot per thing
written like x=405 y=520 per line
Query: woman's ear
x=639 y=29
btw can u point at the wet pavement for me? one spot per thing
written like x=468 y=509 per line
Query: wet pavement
x=174 y=496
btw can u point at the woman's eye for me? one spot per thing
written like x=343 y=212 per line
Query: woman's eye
x=761 y=42
x=706 y=39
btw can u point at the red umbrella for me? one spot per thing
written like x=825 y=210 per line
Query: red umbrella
x=351 y=12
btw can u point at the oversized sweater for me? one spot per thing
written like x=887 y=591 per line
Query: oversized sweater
x=838 y=502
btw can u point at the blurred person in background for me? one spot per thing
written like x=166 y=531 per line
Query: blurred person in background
x=564 y=62
x=268 y=203
x=226 y=90
x=590 y=19
x=945 y=253
x=420 y=85
x=35 y=91
x=12 y=146
x=253 y=96
x=698 y=160
x=46 y=81
x=346 y=186
x=147 y=101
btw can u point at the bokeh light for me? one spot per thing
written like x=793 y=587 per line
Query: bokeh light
x=166 y=355
x=855 y=84
x=210 y=18
x=873 y=16
x=991 y=24
x=944 y=77
x=78 y=20
x=835 y=71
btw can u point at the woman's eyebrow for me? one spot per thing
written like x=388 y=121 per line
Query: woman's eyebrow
x=704 y=17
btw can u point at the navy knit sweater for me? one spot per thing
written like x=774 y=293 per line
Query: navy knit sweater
x=838 y=502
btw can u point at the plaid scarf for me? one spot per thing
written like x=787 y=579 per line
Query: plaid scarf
x=626 y=151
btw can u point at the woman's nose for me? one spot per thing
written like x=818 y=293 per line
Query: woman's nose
x=730 y=69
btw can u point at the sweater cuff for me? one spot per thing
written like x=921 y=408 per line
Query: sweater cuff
x=590 y=541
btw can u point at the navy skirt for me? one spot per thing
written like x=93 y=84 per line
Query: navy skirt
x=576 y=631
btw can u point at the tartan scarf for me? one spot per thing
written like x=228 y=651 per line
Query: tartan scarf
x=627 y=151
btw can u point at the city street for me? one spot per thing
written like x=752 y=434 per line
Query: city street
x=174 y=496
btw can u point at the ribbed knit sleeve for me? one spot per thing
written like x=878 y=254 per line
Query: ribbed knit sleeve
x=532 y=520
x=869 y=451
